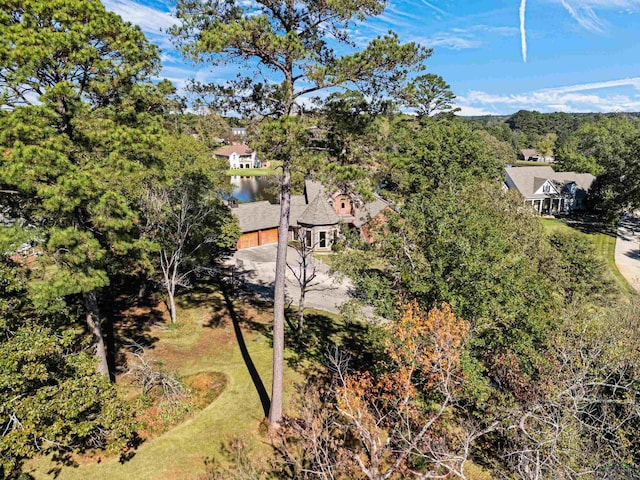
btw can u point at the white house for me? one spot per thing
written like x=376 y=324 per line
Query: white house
x=547 y=191
x=239 y=156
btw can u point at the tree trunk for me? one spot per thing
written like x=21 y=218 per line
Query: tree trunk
x=301 y=311
x=172 y=306
x=95 y=327
x=275 y=410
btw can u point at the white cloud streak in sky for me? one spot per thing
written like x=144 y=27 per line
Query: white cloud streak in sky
x=576 y=98
x=584 y=15
x=523 y=32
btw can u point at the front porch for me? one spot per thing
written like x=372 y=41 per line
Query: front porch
x=549 y=206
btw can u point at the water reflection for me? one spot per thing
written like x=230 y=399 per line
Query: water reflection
x=255 y=189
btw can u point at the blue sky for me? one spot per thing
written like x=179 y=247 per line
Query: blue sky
x=499 y=56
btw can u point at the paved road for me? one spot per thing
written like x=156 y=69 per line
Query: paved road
x=627 y=255
x=256 y=266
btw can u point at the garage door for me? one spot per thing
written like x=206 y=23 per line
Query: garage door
x=269 y=236
x=247 y=240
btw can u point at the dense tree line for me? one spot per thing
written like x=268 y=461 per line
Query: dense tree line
x=521 y=384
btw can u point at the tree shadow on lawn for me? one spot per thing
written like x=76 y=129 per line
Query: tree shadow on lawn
x=236 y=318
x=310 y=351
x=589 y=223
x=208 y=294
x=129 y=321
x=307 y=353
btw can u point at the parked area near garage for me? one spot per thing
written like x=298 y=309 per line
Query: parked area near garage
x=256 y=267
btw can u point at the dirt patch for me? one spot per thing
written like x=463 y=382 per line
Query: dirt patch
x=206 y=387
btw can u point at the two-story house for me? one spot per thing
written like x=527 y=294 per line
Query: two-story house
x=239 y=156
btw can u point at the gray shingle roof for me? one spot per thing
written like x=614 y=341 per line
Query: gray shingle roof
x=527 y=180
x=319 y=212
x=305 y=210
x=371 y=210
x=264 y=215
x=312 y=189
x=257 y=216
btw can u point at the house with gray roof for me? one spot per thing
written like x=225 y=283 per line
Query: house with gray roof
x=547 y=191
x=532 y=155
x=315 y=216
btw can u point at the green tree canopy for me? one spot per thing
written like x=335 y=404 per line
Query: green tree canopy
x=80 y=130
x=424 y=157
x=607 y=148
x=51 y=399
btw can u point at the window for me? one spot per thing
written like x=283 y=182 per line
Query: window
x=322 y=243
x=546 y=188
x=343 y=205
x=307 y=238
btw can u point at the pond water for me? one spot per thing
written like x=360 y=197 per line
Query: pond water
x=255 y=189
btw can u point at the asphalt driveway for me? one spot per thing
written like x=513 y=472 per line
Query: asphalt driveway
x=627 y=254
x=256 y=268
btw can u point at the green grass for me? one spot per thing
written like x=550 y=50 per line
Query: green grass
x=256 y=172
x=525 y=163
x=205 y=342
x=251 y=172
x=326 y=258
x=603 y=238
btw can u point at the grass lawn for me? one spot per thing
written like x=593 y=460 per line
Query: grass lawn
x=206 y=340
x=256 y=172
x=251 y=172
x=603 y=239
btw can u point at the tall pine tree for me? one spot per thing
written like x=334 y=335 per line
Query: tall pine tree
x=78 y=130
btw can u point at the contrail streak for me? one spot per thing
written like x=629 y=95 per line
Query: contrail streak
x=523 y=32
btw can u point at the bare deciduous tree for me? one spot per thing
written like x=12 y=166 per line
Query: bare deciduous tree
x=304 y=270
x=190 y=228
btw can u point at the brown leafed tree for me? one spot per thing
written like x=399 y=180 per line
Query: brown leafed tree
x=402 y=423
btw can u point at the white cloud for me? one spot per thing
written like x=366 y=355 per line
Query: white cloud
x=148 y=19
x=584 y=15
x=584 y=11
x=433 y=7
x=632 y=82
x=588 y=97
x=453 y=41
x=468 y=111
x=473 y=36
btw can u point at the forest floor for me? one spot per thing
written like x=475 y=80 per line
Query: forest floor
x=216 y=336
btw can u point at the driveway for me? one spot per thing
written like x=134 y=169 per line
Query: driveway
x=627 y=255
x=256 y=268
